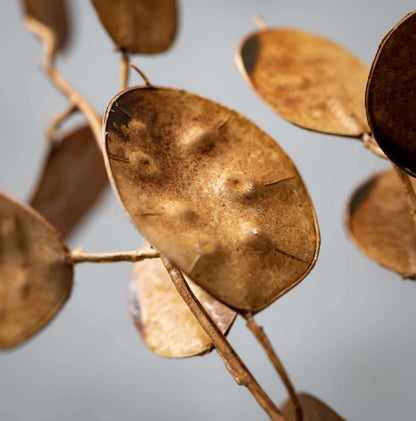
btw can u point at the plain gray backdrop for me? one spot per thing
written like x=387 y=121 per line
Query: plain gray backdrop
x=346 y=334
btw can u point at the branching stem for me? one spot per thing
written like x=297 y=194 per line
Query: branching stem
x=232 y=361
x=264 y=341
x=78 y=256
x=77 y=100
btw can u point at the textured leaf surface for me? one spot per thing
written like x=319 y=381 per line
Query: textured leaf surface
x=379 y=223
x=306 y=79
x=73 y=177
x=164 y=321
x=212 y=192
x=139 y=26
x=35 y=278
x=391 y=95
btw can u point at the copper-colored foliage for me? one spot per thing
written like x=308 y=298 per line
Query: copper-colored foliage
x=212 y=192
x=163 y=319
x=35 y=278
x=52 y=14
x=139 y=26
x=391 y=94
x=306 y=79
x=313 y=410
x=73 y=177
x=379 y=223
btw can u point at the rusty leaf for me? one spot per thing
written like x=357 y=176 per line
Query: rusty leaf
x=35 y=278
x=379 y=223
x=163 y=319
x=48 y=19
x=73 y=177
x=139 y=26
x=313 y=410
x=391 y=95
x=308 y=80
x=212 y=192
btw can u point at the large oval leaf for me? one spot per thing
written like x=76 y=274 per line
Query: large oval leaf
x=139 y=26
x=212 y=192
x=306 y=79
x=35 y=277
x=51 y=14
x=379 y=223
x=391 y=95
x=163 y=319
x=313 y=410
x=73 y=177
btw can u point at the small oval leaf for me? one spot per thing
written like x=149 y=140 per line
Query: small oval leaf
x=391 y=95
x=35 y=277
x=51 y=14
x=139 y=26
x=73 y=177
x=212 y=192
x=312 y=408
x=379 y=223
x=163 y=319
x=308 y=80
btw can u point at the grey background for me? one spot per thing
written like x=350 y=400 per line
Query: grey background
x=345 y=334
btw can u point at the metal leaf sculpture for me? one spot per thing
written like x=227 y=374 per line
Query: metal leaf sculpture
x=163 y=319
x=73 y=177
x=391 y=95
x=379 y=223
x=139 y=26
x=35 y=277
x=48 y=19
x=308 y=80
x=212 y=192
x=312 y=409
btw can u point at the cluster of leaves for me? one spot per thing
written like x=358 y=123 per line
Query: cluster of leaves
x=318 y=85
x=210 y=191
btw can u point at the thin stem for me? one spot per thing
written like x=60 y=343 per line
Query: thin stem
x=372 y=145
x=408 y=191
x=46 y=35
x=124 y=69
x=264 y=341
x=78 y=256
x=259 y=21
x=232 y=361
x=57 y=120
x=77 y=100
x=144 y=77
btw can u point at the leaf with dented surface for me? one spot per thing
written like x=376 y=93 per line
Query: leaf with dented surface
x=312 y=408
x=308 y=80
x=212 y=192
x=391 y=95
x=48 y=19
x=73 y=177
x=163 y=319
x=35 y=277
x=139 y=26
x=379 y=223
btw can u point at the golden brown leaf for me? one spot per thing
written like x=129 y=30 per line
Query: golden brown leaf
x=35 y=277
x=163 y=319
x=73 y=177
x=49 y=15
x=139 y=26
x=391 y=95
x=313 y=410
x=379 y=223
x=212 y=192
x=306 y=79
